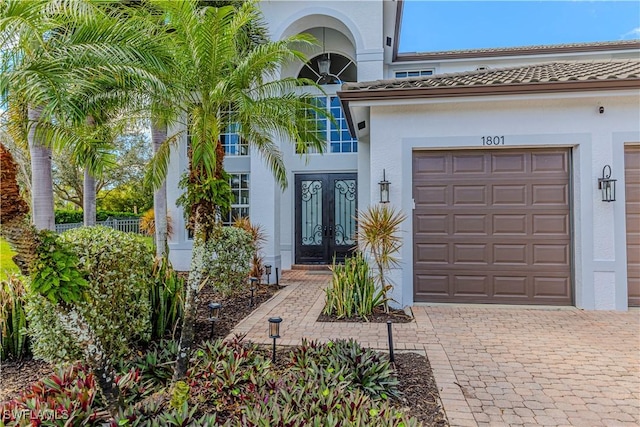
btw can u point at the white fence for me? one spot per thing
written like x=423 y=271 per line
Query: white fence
x=128 y=225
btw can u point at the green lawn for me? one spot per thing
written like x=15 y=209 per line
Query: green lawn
x=6 y=264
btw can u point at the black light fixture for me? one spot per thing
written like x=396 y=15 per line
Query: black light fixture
x=252 y=288
x=267 y=271
x=324 y=62
x=214 y=315
x=607 y=185
x=384 y=188
x=274 y=332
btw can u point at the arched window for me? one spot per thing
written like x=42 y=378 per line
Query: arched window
x=329 y=68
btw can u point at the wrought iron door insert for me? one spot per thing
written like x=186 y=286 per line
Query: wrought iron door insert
x=325 y=207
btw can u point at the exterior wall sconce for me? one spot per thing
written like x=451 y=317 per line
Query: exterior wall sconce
x=384 y=188
x=267 y=271
x=607 y=185
x=274 y=332
x=214 y=313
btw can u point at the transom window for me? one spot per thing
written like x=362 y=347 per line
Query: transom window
x=239 y=183
x=413 y=73
x=336 y=134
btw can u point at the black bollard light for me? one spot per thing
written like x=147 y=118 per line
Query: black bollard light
x=274 y=332
x=277 y=278
x=253 y=281
x=214 y=315
x=267 y=271
x=390 y=334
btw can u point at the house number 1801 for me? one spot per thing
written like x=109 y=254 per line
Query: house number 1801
x=493 y=140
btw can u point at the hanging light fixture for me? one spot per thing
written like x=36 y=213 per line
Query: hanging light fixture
x=324 y=62
x=607 y=185
x=384 y=188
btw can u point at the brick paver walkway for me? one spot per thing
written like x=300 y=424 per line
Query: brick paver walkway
x=494 y=366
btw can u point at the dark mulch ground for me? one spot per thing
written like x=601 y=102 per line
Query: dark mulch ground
x=419 y=391
x=378 y=316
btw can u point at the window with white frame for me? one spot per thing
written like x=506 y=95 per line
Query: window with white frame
x=336 y=134
x=233 y=144
x=413 y=73
x=239 y=183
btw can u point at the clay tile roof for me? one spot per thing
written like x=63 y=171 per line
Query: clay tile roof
x=560 y=72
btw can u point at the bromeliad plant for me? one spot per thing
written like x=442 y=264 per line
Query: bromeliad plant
x=13 y=320
x=353 y=290
x=377 y=234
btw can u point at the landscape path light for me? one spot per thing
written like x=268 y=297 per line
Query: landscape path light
x=214 y=314
x=274 y=332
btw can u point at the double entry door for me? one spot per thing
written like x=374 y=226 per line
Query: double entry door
x=325 y=211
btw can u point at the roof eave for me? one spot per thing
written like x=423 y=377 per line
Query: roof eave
x=488 y=90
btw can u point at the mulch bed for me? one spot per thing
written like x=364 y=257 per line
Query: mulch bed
x=378 y=316
x=419 y=391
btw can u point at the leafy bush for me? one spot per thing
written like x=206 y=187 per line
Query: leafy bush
x=116 y=303
x=353 y=290
x=67 y=216
x=153 y=415
x=258 y=238
x=13 y=320
x=166 y=297
x=361 y=368
x=228 y=254
x=56 y=274
x=66 y=398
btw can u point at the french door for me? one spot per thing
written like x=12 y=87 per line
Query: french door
x=325 y=211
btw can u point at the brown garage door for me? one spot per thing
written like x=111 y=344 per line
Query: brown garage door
x=492 y=226
x=632 y=195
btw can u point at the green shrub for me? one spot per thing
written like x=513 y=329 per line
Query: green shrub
x=228 y=255
x=353 y=290
x=153 y=415
x=13 y=320
x=116 y=302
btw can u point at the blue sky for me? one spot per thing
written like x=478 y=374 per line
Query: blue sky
x=430 y=25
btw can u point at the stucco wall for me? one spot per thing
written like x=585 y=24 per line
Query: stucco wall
x=546 y=120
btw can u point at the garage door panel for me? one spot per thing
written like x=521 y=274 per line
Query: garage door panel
x=432 y=224
x=431 y=195
x=464 y=253
x=509 y=163
x=549 y=287
x=470 y=195
x=465 y=164
x=471 y=224
x=511 y=195
x=505 y=254
x=550 y=224
x=433 y=253
x=549 y=162
x=501 y=237
x=632 y=196
x=550 y=194
x=510 y=286
x=546 y=255
x=434 y=165
x=470 y=285
x=514 y=224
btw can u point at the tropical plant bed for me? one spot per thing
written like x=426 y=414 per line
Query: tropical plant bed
x=418 y=396
x=377 y=316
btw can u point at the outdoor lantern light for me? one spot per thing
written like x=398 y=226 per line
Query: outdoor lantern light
x=324 y=65
x=214 y=308
x=607 y=185
x=253 y=281
x=267 y=271
x=384 y=188
x=274 y=332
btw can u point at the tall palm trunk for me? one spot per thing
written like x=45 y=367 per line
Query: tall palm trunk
x=89 y=199
x=158 y=136
x=41 y=180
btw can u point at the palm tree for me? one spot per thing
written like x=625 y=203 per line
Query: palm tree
x=226 y=76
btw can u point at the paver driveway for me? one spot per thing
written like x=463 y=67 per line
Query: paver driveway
x=494 y=366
